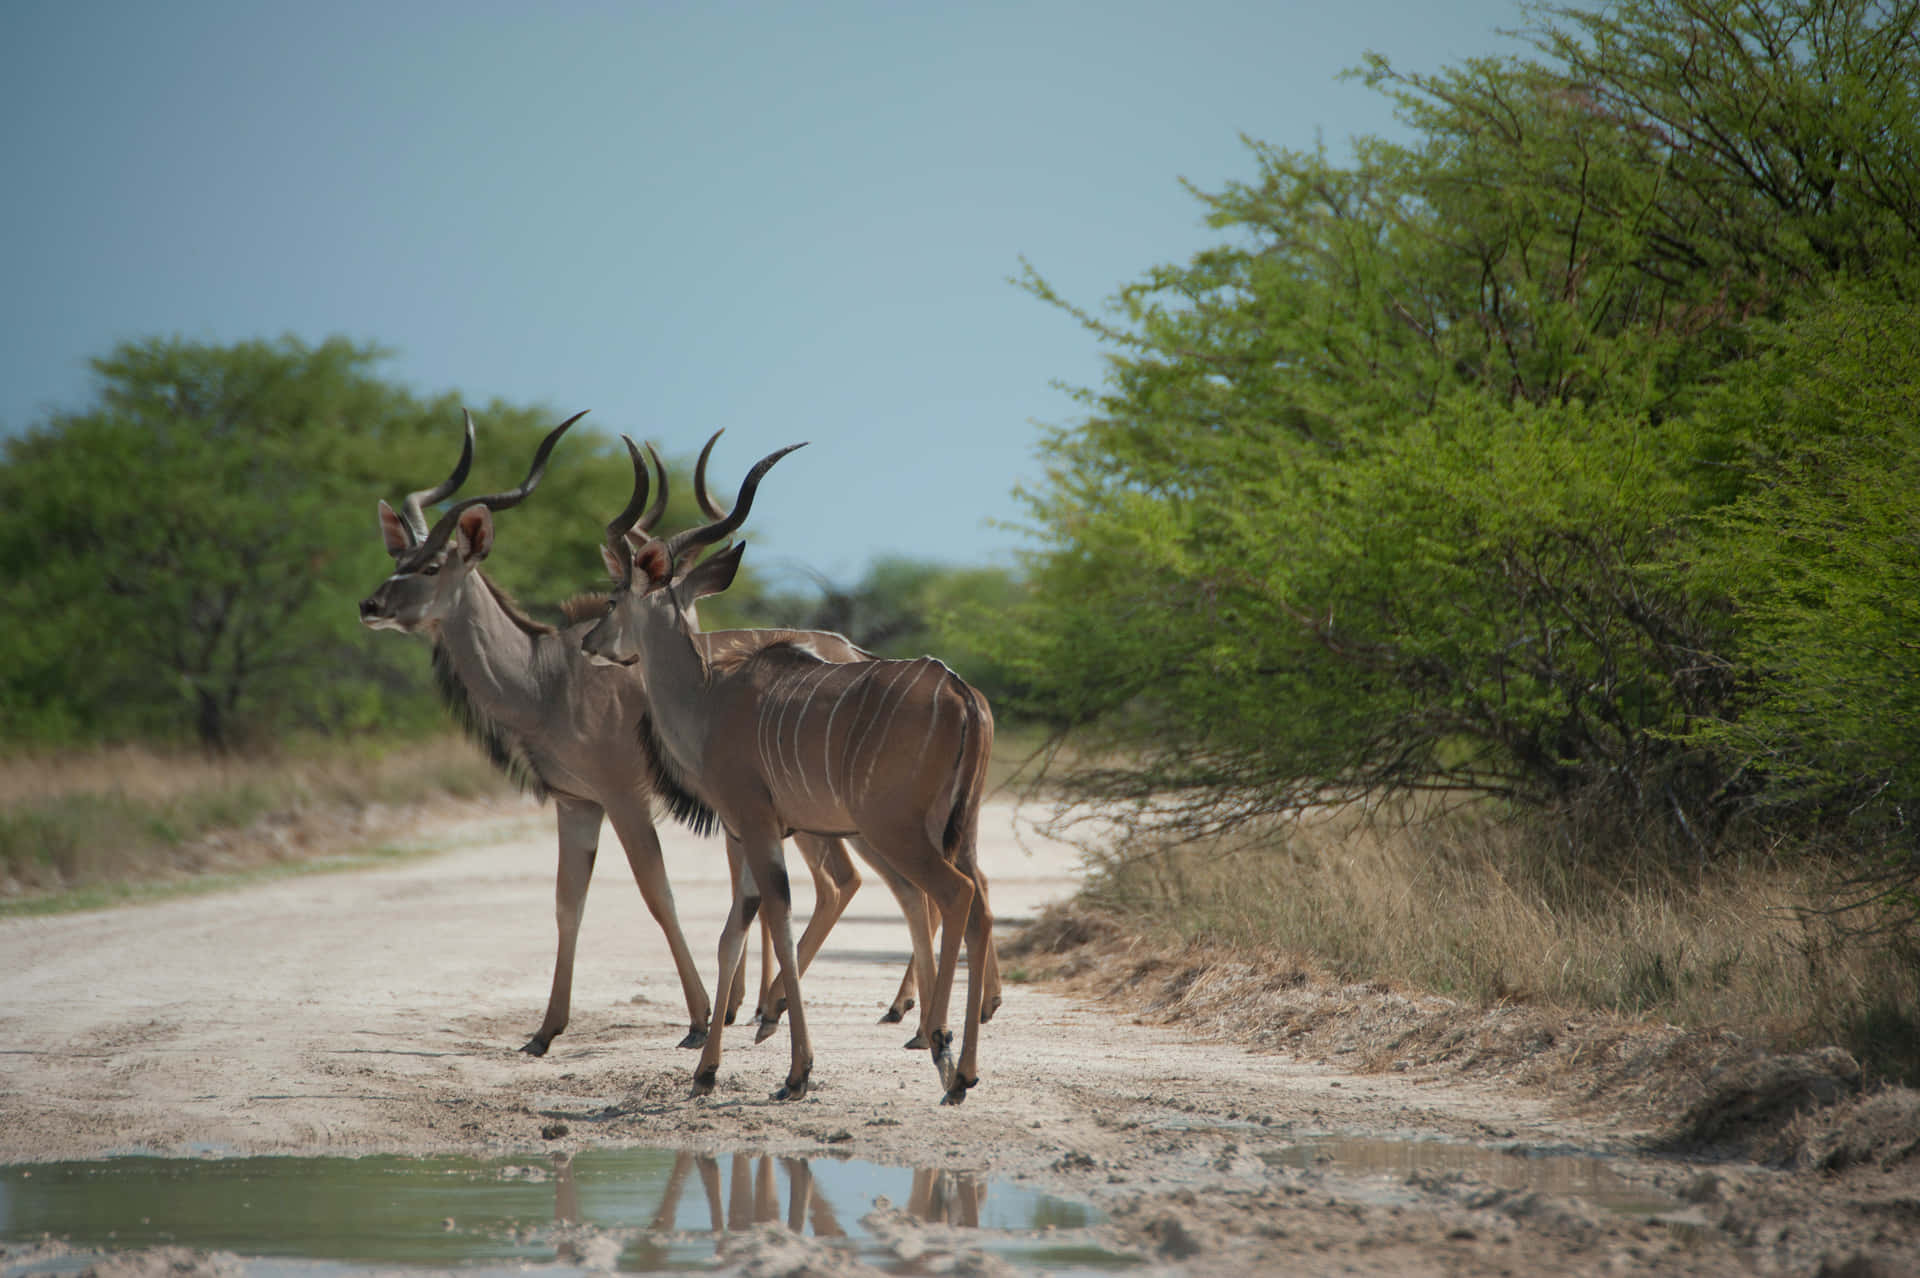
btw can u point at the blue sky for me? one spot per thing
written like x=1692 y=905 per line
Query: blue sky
x=794 y=221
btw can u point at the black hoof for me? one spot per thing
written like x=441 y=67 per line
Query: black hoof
x=917 y=1042
x=704 y=1080
x=958 y=1091
x=730 y=1015
x=537 y=1046
x=793 y=1089
x=893 y=1016
x=766 y=1030
x=696 y=1037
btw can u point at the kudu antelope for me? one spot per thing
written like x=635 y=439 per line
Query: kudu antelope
x=829 y=647
x=890 y=753
x=565 y=727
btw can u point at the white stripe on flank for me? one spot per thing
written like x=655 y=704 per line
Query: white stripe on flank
x=761 y=738
x=873 y=757
x=848 y=755
x=764 y=737
x=933 y=720
x=799 y=727
x=859 y=750
x=771 y=708
x=826 y=745
x=783 y=693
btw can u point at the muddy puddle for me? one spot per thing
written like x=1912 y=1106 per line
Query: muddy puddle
x=632 y=1210
x=1581 y=1176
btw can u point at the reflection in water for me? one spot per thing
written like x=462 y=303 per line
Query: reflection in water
x=630 y=1209
x=949 y=1198
x=751 y=1199
x=751 y=1196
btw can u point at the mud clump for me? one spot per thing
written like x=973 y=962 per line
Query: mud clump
x=1748 y=1104
x=165 y=1262
x=1175 y=1237
x=770 y=1251
x=1880 y=1130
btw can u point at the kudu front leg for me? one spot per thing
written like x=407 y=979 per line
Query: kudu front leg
x=578 y=828
x=733 y=945
x=770 y=878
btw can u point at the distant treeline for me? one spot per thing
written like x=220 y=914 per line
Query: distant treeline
x=182 y=560
x=1564 y=454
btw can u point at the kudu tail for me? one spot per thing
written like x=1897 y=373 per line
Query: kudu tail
x=970 y=776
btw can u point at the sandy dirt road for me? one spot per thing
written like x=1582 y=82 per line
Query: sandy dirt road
x=381 y=1011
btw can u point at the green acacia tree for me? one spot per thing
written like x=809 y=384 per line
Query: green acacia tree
x=1822 y=559
x=183 y=560
x=180 y=546
x=1401 y=486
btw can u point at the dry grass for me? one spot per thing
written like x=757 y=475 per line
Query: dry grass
x=1492 y=914
x=123 y=815
x=1709 y=1091
x=129 y=814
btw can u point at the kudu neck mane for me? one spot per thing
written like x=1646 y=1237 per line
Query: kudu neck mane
x=585 y=607
x=507 y=752
x=683 y=805
x=511 y=607
x=669 y=782
x=503 y=748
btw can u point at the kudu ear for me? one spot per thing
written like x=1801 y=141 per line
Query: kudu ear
x=475 y=530
x=711 y=575
x=392 y=531
x=615 y=569
x=652 y=564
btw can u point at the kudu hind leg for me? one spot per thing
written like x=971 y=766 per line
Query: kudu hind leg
x=732 y=955
x=979 y=976
x=904 y=999
x=919 y=977
x=991 y=968
x=737 y=995
x=650 y=873
x=952 y=894
x=834 y=882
